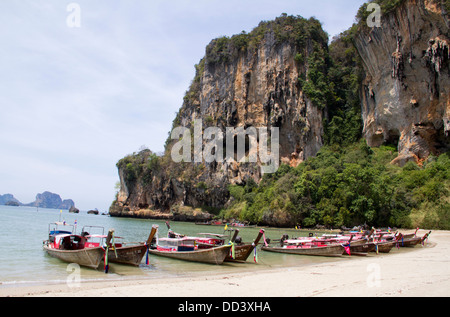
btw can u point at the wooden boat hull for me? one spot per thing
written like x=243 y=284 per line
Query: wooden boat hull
x=383 y=247
x=210 y=256
x=89 y=257
x=331 y=251
x=131 y=255
x=411 y=242
x=128 y=255
x=241 y=253
x=360 y=247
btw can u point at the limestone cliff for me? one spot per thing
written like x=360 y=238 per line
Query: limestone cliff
x=281 y=75
x=405 y=97
x=248 y=80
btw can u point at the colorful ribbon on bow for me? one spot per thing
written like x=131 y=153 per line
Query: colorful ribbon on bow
x=146 y=255
x=233 y=250
x=106 y=267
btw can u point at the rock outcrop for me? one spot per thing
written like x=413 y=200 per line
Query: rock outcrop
x=247 y=81
x=44 y=200
x=405 y=97
x=8 y=198
x=51 y=200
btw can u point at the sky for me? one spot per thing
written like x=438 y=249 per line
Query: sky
x=83 y=86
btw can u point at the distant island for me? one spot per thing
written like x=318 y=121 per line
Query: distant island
x=44 y=200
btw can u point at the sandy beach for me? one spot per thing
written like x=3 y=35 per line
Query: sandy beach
x=420 y=272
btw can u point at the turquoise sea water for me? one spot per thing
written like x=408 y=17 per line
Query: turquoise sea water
x=23 y=261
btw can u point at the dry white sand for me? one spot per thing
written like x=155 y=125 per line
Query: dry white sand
x=423 y=271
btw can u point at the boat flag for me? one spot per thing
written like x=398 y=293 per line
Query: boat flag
x=255 y=256
x=347 y=248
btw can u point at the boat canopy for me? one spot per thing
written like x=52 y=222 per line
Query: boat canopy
x=101 y=236
x=213 y=235
x=296 y=241
x=176 y=242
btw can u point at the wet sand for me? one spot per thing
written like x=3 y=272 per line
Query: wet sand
x=420 y=272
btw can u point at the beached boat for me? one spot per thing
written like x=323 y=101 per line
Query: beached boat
x=351 y=246
x=335 y=250
x=358 y=247
x=71 y=248
x=410 y=235
x=184 y=249
x=187 y=249
x=384 y=245
x=361 y=247
x=407 y=241
x=241 y=251
x=131 y=255
x=117 y=252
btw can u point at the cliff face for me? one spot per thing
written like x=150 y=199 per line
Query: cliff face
x=281 y=76
x=247 y=81
x=405 y=97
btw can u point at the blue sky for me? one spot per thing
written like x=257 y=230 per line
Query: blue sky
x=73 y=101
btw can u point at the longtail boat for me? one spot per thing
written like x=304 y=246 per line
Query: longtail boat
x=384 y=246
x=335 y=250
x=357 y=247
x=241 y=252
x=186 y=249
x=117 y=252
x=407 y=241
x=132 y=255
x=410 y=235
x=352 y=244
x=71 y=248
x=361 y=248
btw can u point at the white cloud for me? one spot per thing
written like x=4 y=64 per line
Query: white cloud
x=73 y=101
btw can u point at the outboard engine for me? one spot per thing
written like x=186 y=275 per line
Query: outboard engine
x=284 y=237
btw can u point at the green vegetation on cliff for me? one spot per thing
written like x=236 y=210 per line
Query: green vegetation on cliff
x=296 y=30
x=346 y=187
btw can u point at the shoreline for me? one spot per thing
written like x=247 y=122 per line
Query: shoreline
x=421 y=272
